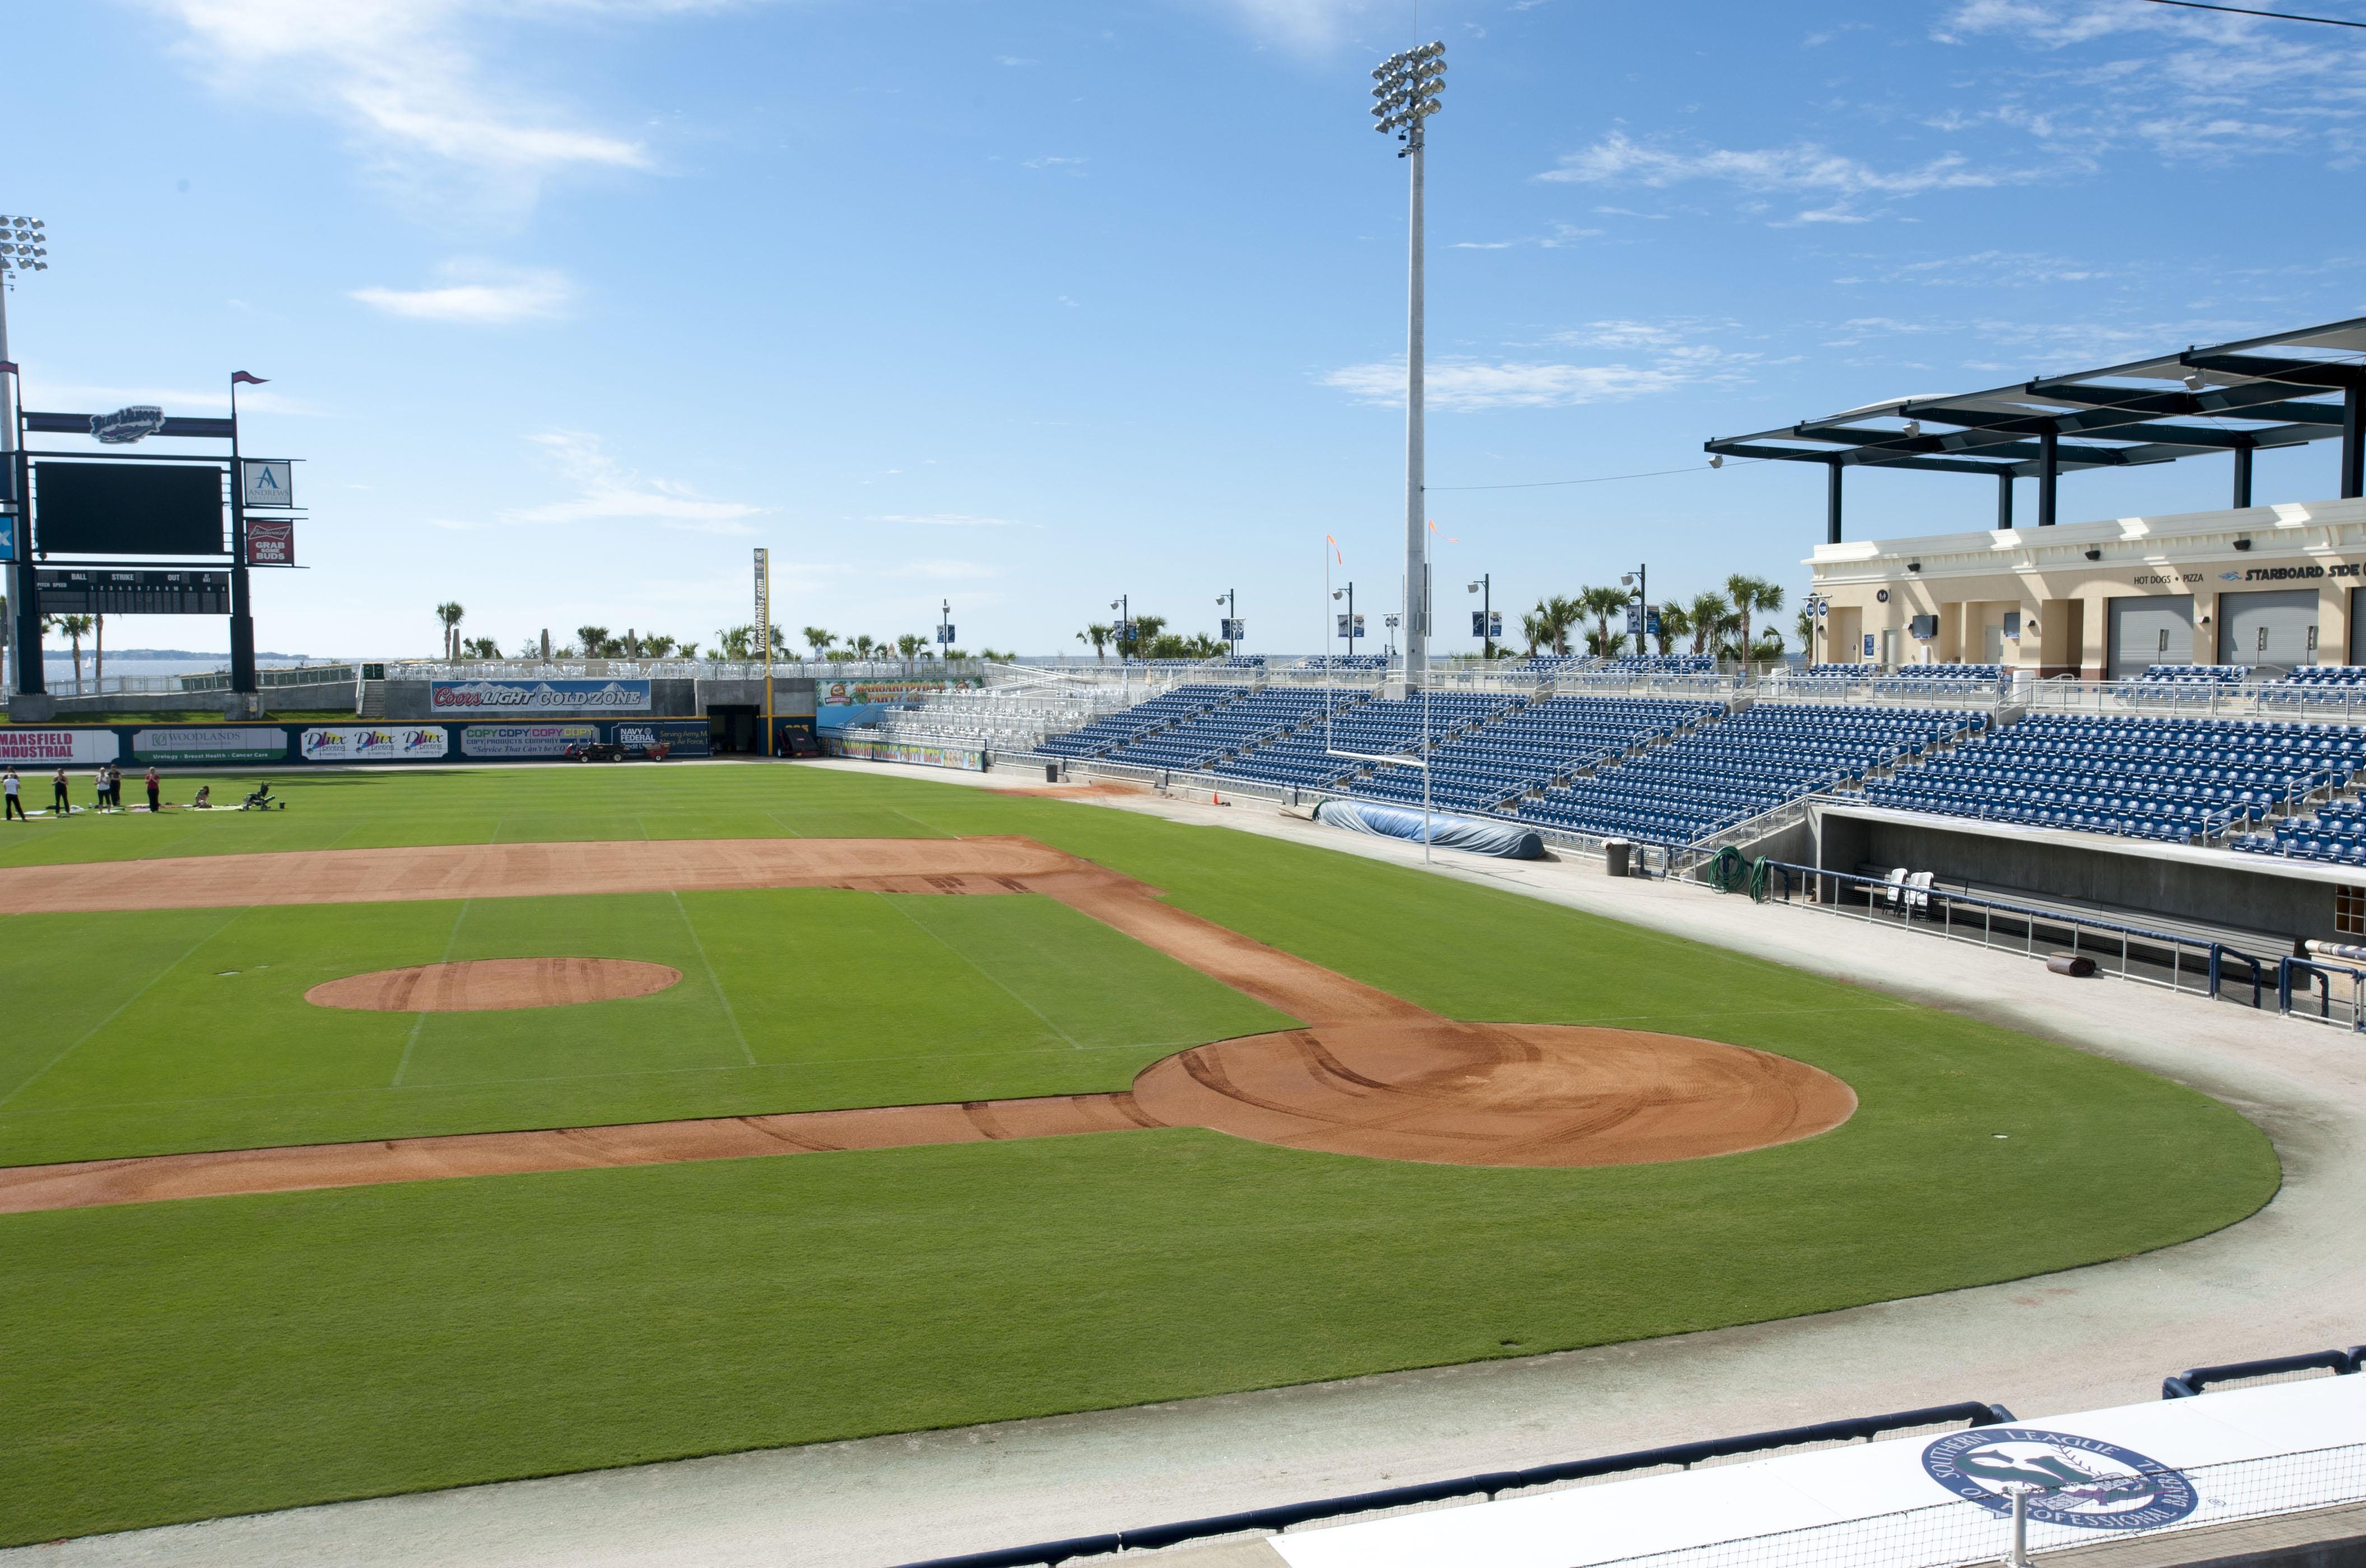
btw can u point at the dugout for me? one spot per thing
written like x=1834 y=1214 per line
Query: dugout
x=2295 y=899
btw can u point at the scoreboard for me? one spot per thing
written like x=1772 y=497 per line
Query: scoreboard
x=103 y=592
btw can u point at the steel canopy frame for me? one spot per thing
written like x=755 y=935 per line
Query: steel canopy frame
x=2256 y=394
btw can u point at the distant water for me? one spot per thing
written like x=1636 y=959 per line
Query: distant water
x=55 y=666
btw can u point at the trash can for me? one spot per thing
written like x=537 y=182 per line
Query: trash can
x=1615 y=855
x=1050 y=773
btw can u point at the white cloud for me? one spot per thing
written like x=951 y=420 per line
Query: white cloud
x=2194 y=86
x=1803 y=169
x=412 y=80
x=476 y=295
x=1664 y=356
x=606 y=492
x=1070 y=165
x=1302 y=23
x=949 y=520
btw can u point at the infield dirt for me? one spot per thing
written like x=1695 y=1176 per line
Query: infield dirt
x=1371 y=1074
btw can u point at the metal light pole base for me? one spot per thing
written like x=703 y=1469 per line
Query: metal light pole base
x=31 y=708
x=243 y=705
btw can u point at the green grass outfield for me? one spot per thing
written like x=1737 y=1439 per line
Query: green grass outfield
x=182 y=1360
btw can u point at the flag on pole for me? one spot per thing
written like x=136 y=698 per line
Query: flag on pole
x=1335 y=548
x=8 y=368
x=252 y=381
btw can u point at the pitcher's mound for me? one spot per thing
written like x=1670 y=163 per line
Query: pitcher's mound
x=488 y=985
x=1494 y=1093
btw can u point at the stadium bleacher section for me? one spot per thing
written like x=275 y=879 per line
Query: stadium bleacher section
x=1678 y=772
x=1703 y=783
x=2171 y=779
x=1490 y=766
x=2192 y=675
x=1198 y=741
x=1105 y=735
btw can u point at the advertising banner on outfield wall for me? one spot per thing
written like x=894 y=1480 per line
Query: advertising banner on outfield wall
x=493 y=699
x=374 y=743
x=903 y=751
x=527 y=739
x=26 y=748
x=210 y=743
x=680 y=736
x=855 y=693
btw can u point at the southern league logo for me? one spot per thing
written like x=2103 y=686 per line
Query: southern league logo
x=2077 y=1482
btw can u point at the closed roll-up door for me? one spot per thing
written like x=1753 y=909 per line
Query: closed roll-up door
x=2278 y=629
x=2148 y=630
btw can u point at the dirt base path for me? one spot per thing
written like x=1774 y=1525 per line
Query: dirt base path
x=1371 y=1073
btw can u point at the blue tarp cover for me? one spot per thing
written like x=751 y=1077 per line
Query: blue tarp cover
x=1504 y=839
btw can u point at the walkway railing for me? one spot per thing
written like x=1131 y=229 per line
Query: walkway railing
x=2326 y=992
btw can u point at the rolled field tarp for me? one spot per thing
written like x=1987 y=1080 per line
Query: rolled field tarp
x=1506 y=840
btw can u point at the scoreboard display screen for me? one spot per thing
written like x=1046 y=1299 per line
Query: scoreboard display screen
x=124 y=509
x=134 y=593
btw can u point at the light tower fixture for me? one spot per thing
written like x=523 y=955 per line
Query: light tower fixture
x=1408 y=86
x=24 y=247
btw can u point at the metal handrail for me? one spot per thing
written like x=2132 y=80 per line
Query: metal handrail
x=1972 y=1412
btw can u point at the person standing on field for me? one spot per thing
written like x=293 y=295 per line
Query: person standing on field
x=99 y=789
x=154 y=786
x=58 y=786
x=16 y=809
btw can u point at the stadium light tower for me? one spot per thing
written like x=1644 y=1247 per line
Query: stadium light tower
x=1409 y=85
x=23 y=244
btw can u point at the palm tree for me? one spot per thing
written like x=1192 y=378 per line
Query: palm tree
x=98 y=651
x=1566 y=615
x=1806 y=627
x=909 y=643
x=75 y=627
x=596 y=642
x=1751 y=593
x=732 y=643
x=1602 y=603
x=818 y=639
x=1099 y=635
x=451 y=614
x=863 y=647
x=1675 y=621
x=1708 y=615
x=688 y=650
x=657 y=645
x=1537 y=627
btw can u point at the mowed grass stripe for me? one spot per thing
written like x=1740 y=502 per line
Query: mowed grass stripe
x=794 y=1000
x=180 y=1360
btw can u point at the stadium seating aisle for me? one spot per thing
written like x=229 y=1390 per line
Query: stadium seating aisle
x=1540 y=744
x=1106 y=734
x=1195 y=742
x=1703 y=783
x=2176 y=780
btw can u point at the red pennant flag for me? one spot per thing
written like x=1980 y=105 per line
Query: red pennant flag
x=8 y=368
x=238 y=376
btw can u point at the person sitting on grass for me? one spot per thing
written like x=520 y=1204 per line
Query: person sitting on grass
x=205 y=801
x=260 y=800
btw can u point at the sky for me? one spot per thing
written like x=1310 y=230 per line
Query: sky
x=566 y=305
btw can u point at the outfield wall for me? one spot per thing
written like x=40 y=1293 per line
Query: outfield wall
x=29 y=747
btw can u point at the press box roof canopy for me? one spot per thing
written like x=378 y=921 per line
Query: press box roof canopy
x=2279 y=390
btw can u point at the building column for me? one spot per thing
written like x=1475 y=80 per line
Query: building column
x=2046 y=470
x=2353 y=443
x=1833 y=504
x=2242 y=477
x=2004 y=501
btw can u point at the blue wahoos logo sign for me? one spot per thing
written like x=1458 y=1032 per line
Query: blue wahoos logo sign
x=2078 y=1481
